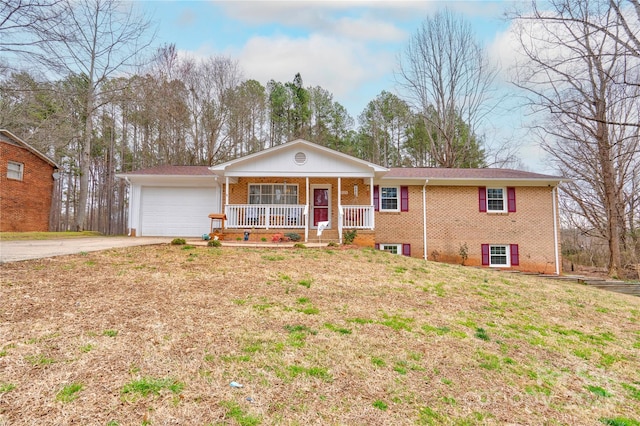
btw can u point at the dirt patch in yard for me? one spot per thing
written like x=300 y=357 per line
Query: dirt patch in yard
x=314 y=336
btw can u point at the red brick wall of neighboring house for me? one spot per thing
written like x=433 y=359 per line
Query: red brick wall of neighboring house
x=454 y=219
x=24 y=204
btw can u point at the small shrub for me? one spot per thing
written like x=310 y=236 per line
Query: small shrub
x=333 y=244
x=464 y=252
x=299 y=246
x=293 y=236
x=349 y=236
x=178 y=241
x=214 y=243
x=263 y=239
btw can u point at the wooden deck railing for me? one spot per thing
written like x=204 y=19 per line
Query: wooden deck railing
x=357 y=217
x=265 y=216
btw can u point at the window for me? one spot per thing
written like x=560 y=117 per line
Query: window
x=498 y=256
x=273 y=193
x=495 y=199
x=15 y=170
x=389 y=198
x=391 y=248
x=404 y=249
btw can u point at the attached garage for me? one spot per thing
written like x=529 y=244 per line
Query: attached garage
x=176 y=212
x=172 y=201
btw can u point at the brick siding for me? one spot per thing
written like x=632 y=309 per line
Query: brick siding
x=24 y=205
x=453 y=220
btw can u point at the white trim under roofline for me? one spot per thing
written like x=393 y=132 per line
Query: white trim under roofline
x=301 y=174
x=221 y=168
x=475 y=182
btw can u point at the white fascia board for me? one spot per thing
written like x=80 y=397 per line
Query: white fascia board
x=171 y=180
x=498 y=182
x=238 y=174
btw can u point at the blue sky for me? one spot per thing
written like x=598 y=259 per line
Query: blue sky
x=350 y=48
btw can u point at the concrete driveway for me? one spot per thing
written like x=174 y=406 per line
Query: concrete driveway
x=12 y=251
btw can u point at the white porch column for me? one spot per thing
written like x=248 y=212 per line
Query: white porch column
x=226 y=196
x=373 y=213
x=306 y=228
x=340 y=209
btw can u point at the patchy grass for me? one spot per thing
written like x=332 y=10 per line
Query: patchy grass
x=69 y=392
x=148 y=338
x=24 y=236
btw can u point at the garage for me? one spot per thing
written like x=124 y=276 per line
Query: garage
x=177 y=211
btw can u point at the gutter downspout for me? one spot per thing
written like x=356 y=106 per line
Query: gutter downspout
x=424 y=217
x=126 y=179
x=554 y=193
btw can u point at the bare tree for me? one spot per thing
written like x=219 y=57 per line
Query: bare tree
x=98 y=39
x=25 y=24
x=570 y=73
x=449 y=77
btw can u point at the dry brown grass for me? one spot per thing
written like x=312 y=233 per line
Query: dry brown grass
x=314 y=336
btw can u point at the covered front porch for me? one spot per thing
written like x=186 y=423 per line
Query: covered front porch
x=298 y=205
x=298 y=186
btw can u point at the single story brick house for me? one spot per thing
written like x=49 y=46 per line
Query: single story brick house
x=26 y=185
x=492 y=217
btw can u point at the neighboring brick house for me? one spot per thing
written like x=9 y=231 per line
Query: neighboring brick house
x=492 y=217
x=26 y=186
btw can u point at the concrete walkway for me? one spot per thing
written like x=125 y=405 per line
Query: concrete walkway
x=13 y=251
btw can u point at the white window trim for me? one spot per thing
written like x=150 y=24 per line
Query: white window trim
x=397 y=246
x=504 y=200
x=397 y=209
x=273 y=184
x=20 y=170
x=507 y=248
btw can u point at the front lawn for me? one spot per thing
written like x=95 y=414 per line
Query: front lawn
x=197 y=336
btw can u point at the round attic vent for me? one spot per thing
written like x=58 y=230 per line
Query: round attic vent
x=300 y=158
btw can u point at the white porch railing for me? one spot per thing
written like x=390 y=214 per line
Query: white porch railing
x=265 y=216
x=356 y=217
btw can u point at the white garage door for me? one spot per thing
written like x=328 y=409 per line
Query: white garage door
x=177 y=212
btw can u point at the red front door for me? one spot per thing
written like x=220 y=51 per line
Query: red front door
x=320 y=205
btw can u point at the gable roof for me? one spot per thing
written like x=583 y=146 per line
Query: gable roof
x=282 y=160
x=10 y=138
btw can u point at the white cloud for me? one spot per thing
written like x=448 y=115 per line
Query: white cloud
x=338 y=66
x=352 y=19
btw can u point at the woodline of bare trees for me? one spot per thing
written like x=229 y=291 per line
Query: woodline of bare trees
x=582 y=78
